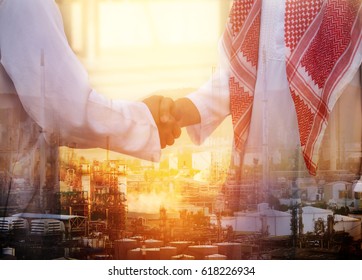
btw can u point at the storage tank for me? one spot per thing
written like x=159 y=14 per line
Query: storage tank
x=216 y=257
x=139 y=239
x=183 y=257
x=152 y=243
x=231 y=250
x=166 y=253
x=181 y=246
x=134 y=254
x=151 y=253
x=122 y=246
x=201 y=251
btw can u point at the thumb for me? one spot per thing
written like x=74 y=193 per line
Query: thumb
x=166 y=108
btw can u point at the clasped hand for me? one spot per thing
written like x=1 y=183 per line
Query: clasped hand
x=166 y=116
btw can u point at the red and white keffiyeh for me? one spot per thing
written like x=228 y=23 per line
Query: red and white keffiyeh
x=322 y=38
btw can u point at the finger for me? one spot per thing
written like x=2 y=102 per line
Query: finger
x=166 y=134
x=170 y=140
x=166 y=108
x=162 y=142
x=162 y=138
x=176 y=131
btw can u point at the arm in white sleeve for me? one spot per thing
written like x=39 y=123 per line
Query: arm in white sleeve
x=54 y=89
x=212 y=101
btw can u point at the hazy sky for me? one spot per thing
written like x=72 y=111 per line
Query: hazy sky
x=134 y=48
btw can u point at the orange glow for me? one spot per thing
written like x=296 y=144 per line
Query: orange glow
x=151 y=203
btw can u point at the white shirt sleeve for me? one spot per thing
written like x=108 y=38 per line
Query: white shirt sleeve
x=212 y=101
x=54 y=88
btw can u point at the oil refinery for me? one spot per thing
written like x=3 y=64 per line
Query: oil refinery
x=129 y=209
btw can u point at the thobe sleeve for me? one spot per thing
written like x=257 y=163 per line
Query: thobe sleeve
x=212 y=101
x=54 y=88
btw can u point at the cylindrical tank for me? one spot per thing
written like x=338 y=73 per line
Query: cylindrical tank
x=201 y=251
x=231 y=250
x=152 y=243
x=183 y=257
x=139 y=239
x=166 y=253
x=181 y=246
x=134 y=254
x=151 y=253
x=122 y=246
x=216 y=257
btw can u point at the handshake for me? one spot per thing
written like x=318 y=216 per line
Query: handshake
x=170 y=116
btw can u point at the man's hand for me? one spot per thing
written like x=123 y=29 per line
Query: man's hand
x=166 y=119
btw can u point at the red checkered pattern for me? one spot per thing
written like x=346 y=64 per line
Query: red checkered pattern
x=331 y=40
x=307 y=120
x=319 y=56
x=238 y=14
x=321 y=36
x=250 y=47
x=242 y=51
x=298 y=17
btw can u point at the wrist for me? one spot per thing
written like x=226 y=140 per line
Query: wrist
x=187 y=112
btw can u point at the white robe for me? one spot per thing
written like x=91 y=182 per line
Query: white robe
x=46 y=101
x=54 y=90
x=274 y=128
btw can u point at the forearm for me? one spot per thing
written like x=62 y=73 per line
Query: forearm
x=212 y=104
x=120 y=123
x=54 y=89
